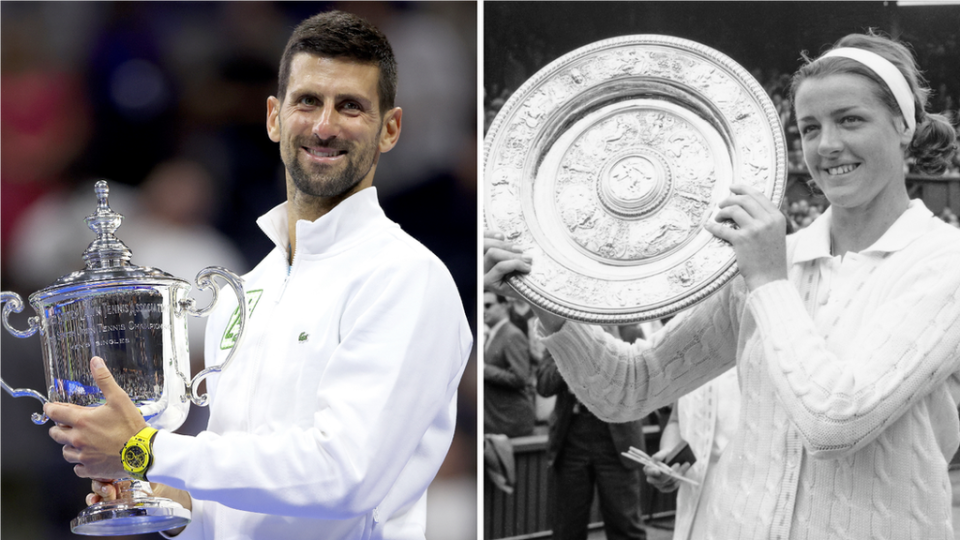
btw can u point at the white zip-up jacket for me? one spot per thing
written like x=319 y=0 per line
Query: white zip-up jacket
x=340 y=406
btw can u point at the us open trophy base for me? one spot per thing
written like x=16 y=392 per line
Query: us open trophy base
x=133 y=513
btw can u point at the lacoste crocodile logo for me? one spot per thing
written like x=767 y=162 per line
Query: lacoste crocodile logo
x=303 y=337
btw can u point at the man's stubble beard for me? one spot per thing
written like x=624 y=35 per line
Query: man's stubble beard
x=360 y=160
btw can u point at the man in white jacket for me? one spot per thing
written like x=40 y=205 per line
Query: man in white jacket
x=339 y=407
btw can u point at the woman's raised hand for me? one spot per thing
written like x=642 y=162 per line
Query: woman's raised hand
x=760 y=240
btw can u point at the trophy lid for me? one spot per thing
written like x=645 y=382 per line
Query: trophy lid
x=107 y=251
x=107 y=257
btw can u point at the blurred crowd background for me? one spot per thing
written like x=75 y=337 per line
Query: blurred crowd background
x=167 y=101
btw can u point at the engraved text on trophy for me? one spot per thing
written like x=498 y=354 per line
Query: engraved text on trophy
x=127 y=327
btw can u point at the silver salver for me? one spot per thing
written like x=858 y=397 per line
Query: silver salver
x=135 y=318
x=605 y=165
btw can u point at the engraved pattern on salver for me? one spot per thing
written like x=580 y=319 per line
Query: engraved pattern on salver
x=638 y=154
x=746 y=113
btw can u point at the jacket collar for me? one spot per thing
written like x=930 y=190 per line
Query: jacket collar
x=350 y=221
x=814 y=241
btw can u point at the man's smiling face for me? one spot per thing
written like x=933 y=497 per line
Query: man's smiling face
x=329 y=125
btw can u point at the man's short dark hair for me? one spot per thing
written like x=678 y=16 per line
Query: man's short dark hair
x=336 y=34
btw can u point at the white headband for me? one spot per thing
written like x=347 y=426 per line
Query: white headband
x=890 y=75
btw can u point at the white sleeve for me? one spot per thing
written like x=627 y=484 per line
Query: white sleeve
x=621 y=382
x=901 y=350
x=388 y=394
x=196 y=529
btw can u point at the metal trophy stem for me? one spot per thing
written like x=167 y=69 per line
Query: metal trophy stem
x=135 y=318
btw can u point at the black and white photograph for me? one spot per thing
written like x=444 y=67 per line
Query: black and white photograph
x=720 y=286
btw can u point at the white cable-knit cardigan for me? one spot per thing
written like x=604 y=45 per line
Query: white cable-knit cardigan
x=849 y=382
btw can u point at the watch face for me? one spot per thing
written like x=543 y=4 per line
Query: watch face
x=135 y=458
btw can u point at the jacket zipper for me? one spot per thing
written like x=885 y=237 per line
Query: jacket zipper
x=258 y=358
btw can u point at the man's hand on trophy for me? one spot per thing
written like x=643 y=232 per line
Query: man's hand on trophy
x=103 y=491
x=106 y=491
x=92 y=437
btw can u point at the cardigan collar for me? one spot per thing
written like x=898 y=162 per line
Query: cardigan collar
x=350 y=221
x=814 y=241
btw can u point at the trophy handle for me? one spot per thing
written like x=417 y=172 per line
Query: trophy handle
x=205 y=281
x=38 y=418
x=13 y=303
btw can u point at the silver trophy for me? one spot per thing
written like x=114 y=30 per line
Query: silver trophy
x=606 y=164
x=135 y=318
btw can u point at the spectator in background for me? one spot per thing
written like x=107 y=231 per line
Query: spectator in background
x=520 y=314
x=801 y=213
x=583 y=454
x=508 y=407
x=795 y=156
x=435 y=85
x=44 y=106
x=706 y=419
x=949 y=217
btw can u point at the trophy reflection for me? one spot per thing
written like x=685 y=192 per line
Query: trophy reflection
x=135 y=319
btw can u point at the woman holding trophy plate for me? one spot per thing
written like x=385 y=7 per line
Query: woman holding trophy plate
x=846 y=335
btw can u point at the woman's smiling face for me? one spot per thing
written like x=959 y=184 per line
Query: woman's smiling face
x=852 y=144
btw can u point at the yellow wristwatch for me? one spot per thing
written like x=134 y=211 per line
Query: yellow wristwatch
x=137 y=454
